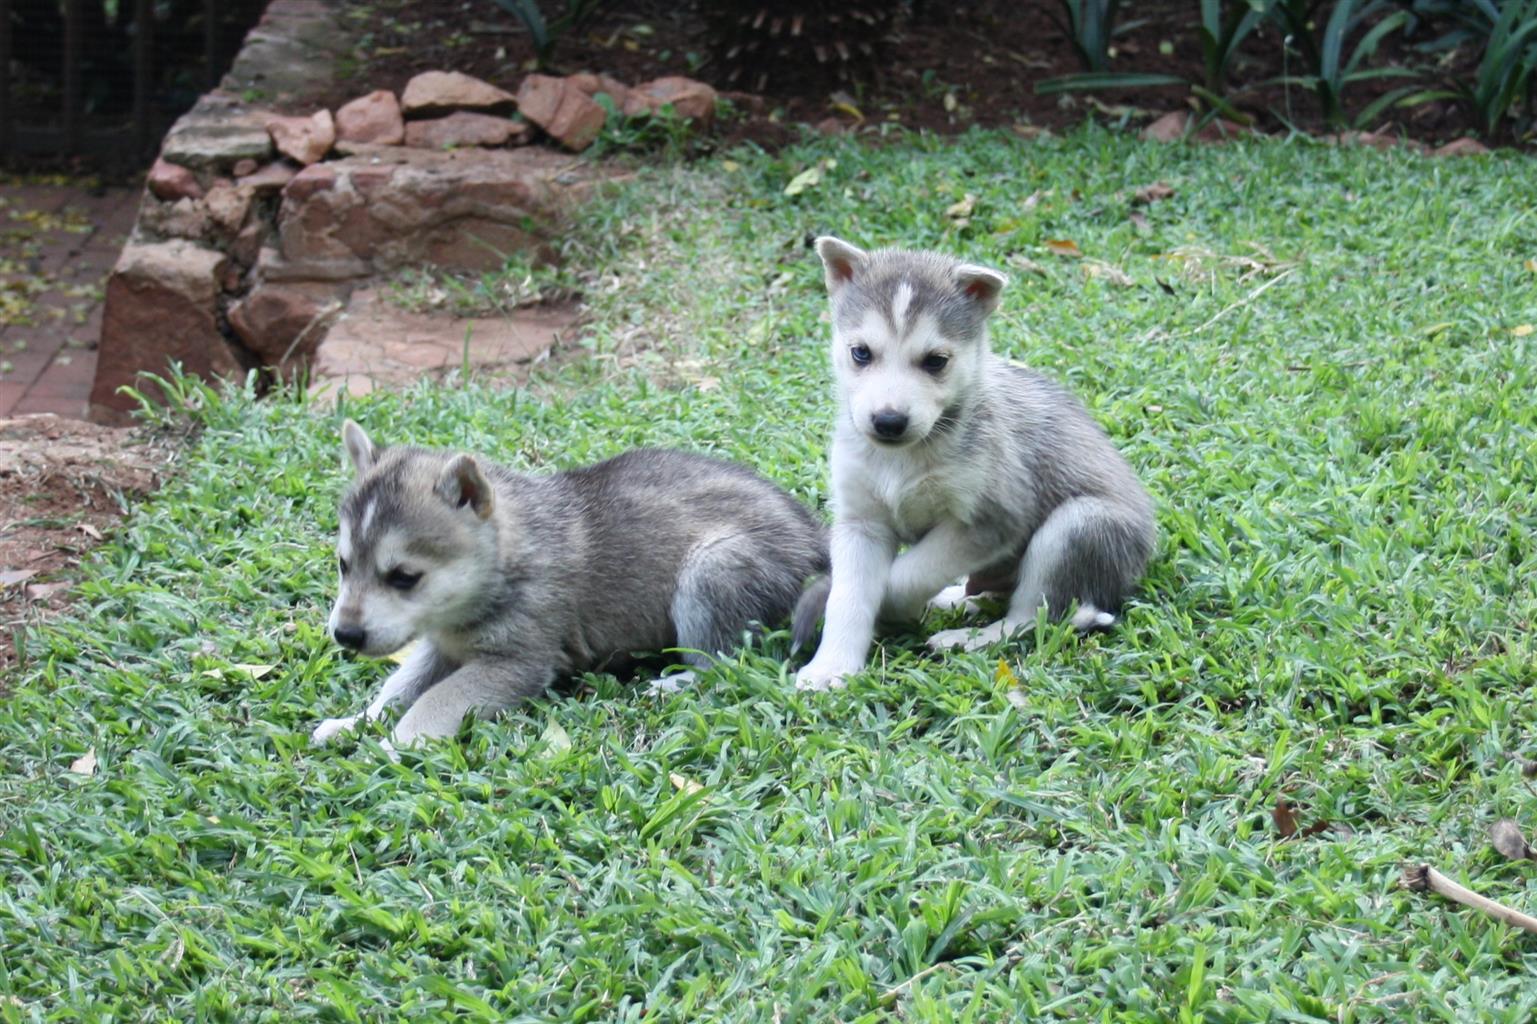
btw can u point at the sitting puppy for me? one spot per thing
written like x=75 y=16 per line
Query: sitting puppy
x=980 y=467
x=510 y=580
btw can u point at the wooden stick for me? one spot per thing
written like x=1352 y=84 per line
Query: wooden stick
x=1420 y=877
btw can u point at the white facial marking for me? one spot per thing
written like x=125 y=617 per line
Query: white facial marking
x=899 y=305
x=368 y=518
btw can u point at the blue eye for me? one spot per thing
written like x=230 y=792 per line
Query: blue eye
x=935 y=361
x=861 y=355
x=401 y=580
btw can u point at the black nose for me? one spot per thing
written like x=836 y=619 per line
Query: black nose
x=351 y=637
x=891 y=425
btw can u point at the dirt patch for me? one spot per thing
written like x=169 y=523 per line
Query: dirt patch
x=945 y=70
x=63 y=485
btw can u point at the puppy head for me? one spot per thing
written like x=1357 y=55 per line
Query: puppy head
x=909 y=336
x=417 y=545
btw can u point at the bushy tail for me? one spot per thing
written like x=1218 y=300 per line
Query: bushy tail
x=808 y=611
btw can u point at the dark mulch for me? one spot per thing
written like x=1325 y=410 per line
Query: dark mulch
x=952 y=67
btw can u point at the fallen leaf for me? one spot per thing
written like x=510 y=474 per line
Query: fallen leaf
x=11 y=577
x=1032 y=201
x=848 y=107
x=1152 y=193
x=950 y=102
x=1107 y=272
x=1285 y=820
x=1528 y=768
x=962 y=209
x=809 y=178
x=85 y=764
x=554 y=739
x=1507 y=838
x=1063 y=247
x=254 y=671
x=686 y=785
x=1522 y=330
x=1139 y=222
x=1531 y=265
x=43 y=591
x=1027 y=265
x=730 y=166
x=89 y=530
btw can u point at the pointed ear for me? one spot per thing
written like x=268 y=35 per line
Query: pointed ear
x=980 y=284
x=840 y=260
x=461 y=484
x=358 y=448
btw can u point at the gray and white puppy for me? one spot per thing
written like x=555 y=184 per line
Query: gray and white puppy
x=979 y=467
x=510 y=580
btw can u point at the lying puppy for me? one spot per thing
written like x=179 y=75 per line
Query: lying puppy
x=980 y=467
x=509 y=580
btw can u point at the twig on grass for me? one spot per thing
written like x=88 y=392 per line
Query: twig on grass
x=1421 y=877
x=1256 y=293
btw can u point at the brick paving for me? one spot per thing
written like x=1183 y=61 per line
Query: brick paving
x=57 y=245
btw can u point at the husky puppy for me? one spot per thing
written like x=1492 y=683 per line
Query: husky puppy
x=979 y=467
x=508 y=580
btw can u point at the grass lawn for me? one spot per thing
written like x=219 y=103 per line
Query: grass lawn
x=1322 y=363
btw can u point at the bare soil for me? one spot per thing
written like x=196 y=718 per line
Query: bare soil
x=64 y=484
x=943 y=70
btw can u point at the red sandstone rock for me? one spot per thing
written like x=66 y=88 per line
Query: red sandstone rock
x=304 y=140
x=185 y=218
x=268 y=179
x=374 y=118
x=1461 y=147
x=464 y=128
x=227 y=205
x=564 y=111
x=171 y=182
x=451 y=90
x=687 y=97
x=284 y=322
x=161 y=303
x=395 y=207
x=592 y=84
x=245 y=167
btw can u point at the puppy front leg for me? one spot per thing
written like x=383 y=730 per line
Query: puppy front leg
x=481 y=686
x=861 y=562
x=423 y=667
x=946 y=552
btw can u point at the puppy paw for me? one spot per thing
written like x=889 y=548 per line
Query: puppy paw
x=970 y=639
x=816 y=677
x=668 y=685
x=951 y=598
x=1088 y=617
x=331 y=728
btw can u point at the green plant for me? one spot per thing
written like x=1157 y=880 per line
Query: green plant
x=1331 y=66
x=1089 y=25
x=546 y=31
x=1500 y=92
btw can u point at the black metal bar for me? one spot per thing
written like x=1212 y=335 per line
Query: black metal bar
x=74 y=25
x=211 y=42
x=7 y=114
x=143 y=49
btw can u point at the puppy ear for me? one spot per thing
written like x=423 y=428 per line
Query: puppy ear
x=461 y=484
x=840 y=260
x=980 y=284
x=357 y=447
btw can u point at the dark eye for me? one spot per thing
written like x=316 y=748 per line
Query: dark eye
x=860 y=354
x=400 y=579
x=341 y=563
x=935 y=361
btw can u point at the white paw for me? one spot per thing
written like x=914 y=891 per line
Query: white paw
x=1089 y=617
x=667 y=685
x=820 y=677
x=331 y=728
x=970 y=639
x=951 y=598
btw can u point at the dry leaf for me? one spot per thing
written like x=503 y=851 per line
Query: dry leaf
x=1027 y=265
x=1531 y=265
x=555 y=740
x=730 y=166
x=11 y=577
x=254 y=671
x=962 y=209
x=1139 y=222
x=1032 y=201
x=1285 y=820
x=1528 y=768
x=811 y=177
x=686 y=785
x=43 y=591
x=85 y=764
x=89 y=530
x=950 y=102
x=1522 y=330
x=1152 y=193
x=1063 y=247
x=1107 y=272
x=1507 y=838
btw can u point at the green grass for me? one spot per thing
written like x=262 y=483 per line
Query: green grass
x=1341 y=611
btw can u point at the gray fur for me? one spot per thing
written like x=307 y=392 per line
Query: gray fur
x=526 y=578
x=1002 y=477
